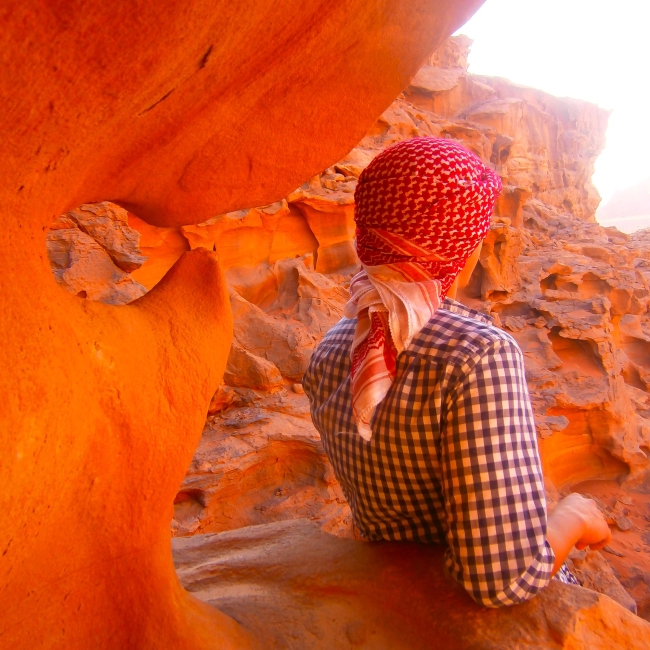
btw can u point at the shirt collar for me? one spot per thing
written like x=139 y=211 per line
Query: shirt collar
x=458 y=308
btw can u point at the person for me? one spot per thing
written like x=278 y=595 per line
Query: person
x=422 y=403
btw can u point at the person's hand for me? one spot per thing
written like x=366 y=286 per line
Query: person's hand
x=596 y=533
x=576 y=521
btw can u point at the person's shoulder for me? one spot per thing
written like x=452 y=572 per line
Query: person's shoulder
x=331 y=357
x=456 y=333
x=340 y=335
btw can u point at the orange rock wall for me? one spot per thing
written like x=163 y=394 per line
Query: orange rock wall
x=176 y=111
x=259 y=459
x=573 y=294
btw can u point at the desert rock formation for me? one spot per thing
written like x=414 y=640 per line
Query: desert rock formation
x=575 y=296
x=177 y=112
x=93 y=252
x=381 y=596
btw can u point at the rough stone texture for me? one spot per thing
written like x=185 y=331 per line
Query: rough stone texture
x=573 y=294
x=108 y=225
x=302 y=588
x=92 y=250
x=305 y=305
x=248 y=370
x=260 y=460
x=177 y=112
x=593 y=572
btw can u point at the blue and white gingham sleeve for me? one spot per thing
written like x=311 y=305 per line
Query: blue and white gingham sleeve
x=492 y=481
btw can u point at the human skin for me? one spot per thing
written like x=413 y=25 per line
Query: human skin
x=575 y=521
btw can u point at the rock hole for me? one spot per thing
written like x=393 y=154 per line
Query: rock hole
x=196 y=496
x=93 y=251
x=565 y=285
x=577 y=355
x=632 y=377
x=515 y=309
x=592 y=286
x=548 y=282
x=189 y=506
x=556 y=282
x=496 y=296
x=638 y=351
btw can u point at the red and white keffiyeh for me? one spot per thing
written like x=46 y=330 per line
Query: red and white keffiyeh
x=422 y=207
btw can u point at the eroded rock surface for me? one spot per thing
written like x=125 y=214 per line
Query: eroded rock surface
x=260 y=460
x=381 y=596
x=93 y=252
x=574 y=295
x=177 y=112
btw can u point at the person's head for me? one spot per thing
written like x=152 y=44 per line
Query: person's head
x=424 y=205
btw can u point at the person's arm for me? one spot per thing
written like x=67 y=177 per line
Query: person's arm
x=493 y=485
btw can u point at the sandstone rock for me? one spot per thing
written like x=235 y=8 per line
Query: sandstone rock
x=304 y=307
x=593 y=572
x=177 y=112
x=84 y=267
x=108 y=225
x=452 y=53
x=434 y=80
x=260 y=460
x=162 y=246
x=92 y=250
x=248 y=370
x=305 y=589
x=623 y=523
x=286 y=345
x=499 y=271
x=314 y=300
x=223 y=397
x=328 y=207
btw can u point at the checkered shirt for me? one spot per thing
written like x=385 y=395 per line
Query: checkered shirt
x=453 y=456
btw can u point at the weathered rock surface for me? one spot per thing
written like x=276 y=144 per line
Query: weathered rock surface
x=247 y=369
x=92 y=250
x=302 y=588
x=593 y=572
x=260 y=460
x=574 y=295
x=178 y=112
x=302 y=307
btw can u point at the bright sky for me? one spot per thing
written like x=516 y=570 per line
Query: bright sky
x=596 y=50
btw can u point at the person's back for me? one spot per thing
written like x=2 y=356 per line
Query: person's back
x=421 y=404
x=399 y=485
